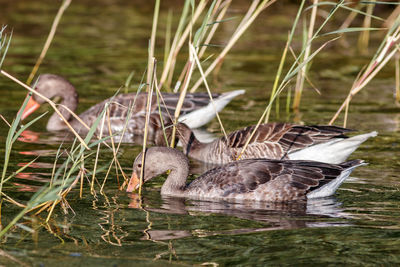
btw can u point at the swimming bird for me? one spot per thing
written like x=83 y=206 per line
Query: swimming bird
x=196 y=111
x=327 y=144
x=251 y=179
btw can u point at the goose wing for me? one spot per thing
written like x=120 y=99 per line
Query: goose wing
x=119 y=105
x=274 y=140
x=283 y=180
x=192 y=102
x=118 y=111
x=299 y=137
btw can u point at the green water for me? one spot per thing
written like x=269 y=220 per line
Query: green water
x=96 y=47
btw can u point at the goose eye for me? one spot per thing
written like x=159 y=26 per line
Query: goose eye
x=139 y=165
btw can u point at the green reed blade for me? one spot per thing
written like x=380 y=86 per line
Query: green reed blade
x=2 y=45
x=344 y=6
x=353 y=29
x=20 y=169
x=26 y=126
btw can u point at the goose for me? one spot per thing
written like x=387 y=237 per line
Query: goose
x=251 y=179
x=327 y=144
x=197 y=109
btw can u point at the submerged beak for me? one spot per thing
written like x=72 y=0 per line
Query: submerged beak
x=134 y=183
x=30 y=108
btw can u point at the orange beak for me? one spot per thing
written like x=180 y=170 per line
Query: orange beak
x=133 y=183
x=29 y=108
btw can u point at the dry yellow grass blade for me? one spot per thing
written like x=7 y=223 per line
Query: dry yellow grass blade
x=387 y=52
x=62 y=194
x=4 y=119
x=9 y=199
x=50 y=37
x=146 y=126
x=302 y=72
x=398 y=77
x=97 y=152
x=115 y=151
x=363 y=39
x=152 y=44
x=178 y=42
x=224 y=7
x=392 y=18
x=194 y=55
x=233 y=40
x=182 y=98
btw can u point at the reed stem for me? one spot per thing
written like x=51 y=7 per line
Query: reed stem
x=50 y=38
x=364 y=35
x=152 y=44
x=382 y=56
x=282 y=61
x=397 y=70
x=239 y=32
x=303 y=71
x=146 y=127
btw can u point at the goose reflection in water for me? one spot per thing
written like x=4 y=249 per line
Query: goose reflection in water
x=276 y=216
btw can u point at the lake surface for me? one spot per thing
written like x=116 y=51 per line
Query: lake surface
x=98 y=44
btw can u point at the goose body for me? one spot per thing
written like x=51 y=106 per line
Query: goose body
x=327 y=144
x=196 y=111
x=252 y=179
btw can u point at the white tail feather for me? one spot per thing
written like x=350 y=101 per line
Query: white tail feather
x=330 y=188
x=202 y=116
x=334 y=152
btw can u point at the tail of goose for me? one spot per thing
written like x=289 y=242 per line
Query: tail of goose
x=330 y=188
x=335 y=151
x=202 y=116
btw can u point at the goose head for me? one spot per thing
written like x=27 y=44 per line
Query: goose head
x=158 y=160
x=52 y=86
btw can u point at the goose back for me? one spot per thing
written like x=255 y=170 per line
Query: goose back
x=271 y=140
x=266 y=180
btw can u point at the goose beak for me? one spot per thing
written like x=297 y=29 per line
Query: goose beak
x=134 y=183
x=30 y=108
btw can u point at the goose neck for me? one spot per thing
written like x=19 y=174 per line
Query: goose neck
x=176 y=181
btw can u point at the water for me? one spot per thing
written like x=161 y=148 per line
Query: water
x=96 y=47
